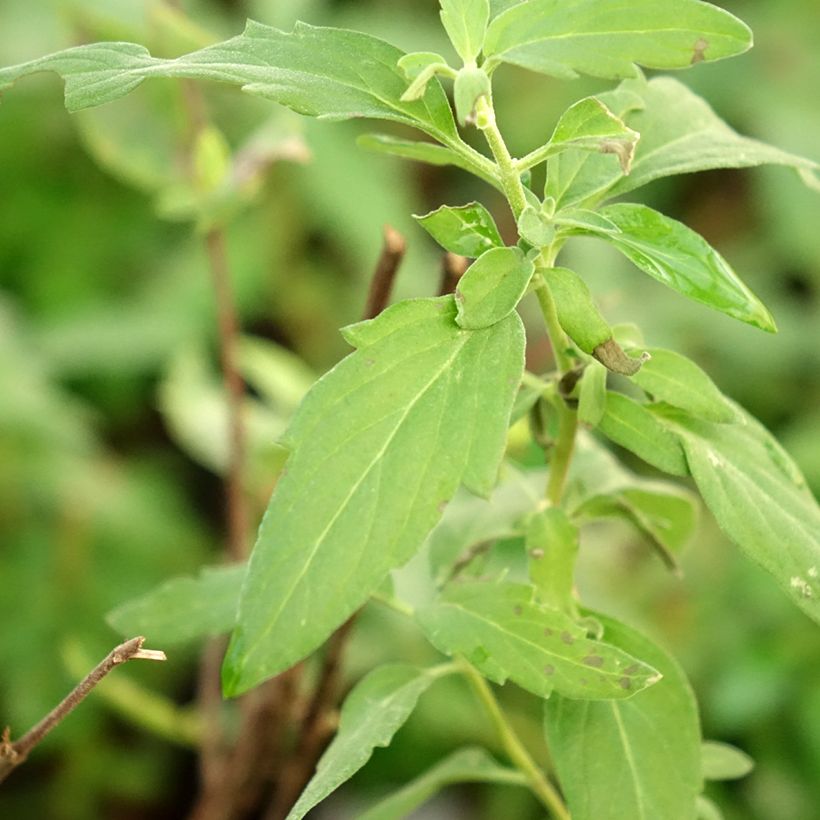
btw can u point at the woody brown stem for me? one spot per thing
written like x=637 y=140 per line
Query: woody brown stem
x=381 y=285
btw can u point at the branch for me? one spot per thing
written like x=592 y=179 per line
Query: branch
x=13 y=754
x=381 y=285
x=453 y=267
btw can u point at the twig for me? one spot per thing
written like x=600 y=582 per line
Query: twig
x=234 y=389
x=381 y=285
x=13 y=754
x=453 y=267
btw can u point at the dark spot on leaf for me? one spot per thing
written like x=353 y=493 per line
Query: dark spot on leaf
x=632 y=670
x=442 y=506
x=625 y=683
x=547 y=631
x=536 y=554
x=549 y=669
x=594 y=660
x=517 y=610
x=567 y=638
x=584 y=682
x=699 y=50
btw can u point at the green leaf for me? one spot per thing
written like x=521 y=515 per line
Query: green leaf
x=320 y=72
x=428 y=152
x=721 y=761
x=552 y=547
x=468 y=765
x=492 y=287
x=184 y=609
x=637 y=429
x=534 y=228
x=468 y=230
x=681 y=259
x=373 y=712
x=577 y=313
x=600 y=487
x=380 y=444
x=606 y=38
x=592 y=395
x=670 y=377
x=636 y=758
x=469 y=520
x=465 y=22
x=759 y=498
x=680 y=134
x=590 y=126
x=707 y=809
x=471 y=84
x=572 y=220
x=505 y=633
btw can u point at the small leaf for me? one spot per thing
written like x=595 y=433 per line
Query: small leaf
x=636 y=758
x=758 y=497
x=577 y=312
x=668 y=376
x=492 y=287
x=504 y=633
x=465 y=22
x=681 y=259
x=592 y=395
x=552 y=547
x=379 y=445
x=634 y=427
x=373 y=712
x=468 y=230
x=707 y=809
x=417 y=62
x=468 y=765
x=606 y=38
x=534 y=229
x=320 y=72
x=184 y=609
x=573 y=219
x=724 y=762
x=470 y=85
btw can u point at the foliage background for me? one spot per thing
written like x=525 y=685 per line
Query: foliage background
x=110 y=443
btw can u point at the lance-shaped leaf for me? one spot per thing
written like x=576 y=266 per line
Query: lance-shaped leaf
x=680 y=134
x=379 y=445
x=607 y=38
x=588 y=125
x=184 y=609
x=683 y=260
x=469 y=765
x=468 y=230
x=636 y=428
x=758 y=497
x=505 y=633
x=465 y=22
x=637 y=758
x=668 y=376
x=373 y=712
x=724 y=762
x=321 y=72
x=492 y=287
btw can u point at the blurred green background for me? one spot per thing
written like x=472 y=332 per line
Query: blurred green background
x=111 y=442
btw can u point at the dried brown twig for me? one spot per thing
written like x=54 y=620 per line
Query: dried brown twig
x=14 y=754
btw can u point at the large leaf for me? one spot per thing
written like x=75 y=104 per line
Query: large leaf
x=759 y=498
x=321 y=72
x=380 y=444
x=606 y=38
x=470 y=765
x=505 y=633
x=680 y=134
x=638 y=758
x=373 y=712
x=184 y=609
x=678 y=257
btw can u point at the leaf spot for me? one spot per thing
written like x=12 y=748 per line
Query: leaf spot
x=517 y=610
x=536 y=554
x=632 y=670
x=802 y=586
x=714 y=459
x=625 y=683
x=567 y=638
x=812 y=572
x=699 y=50
x=547 y=632
x=594 y=660
x=549 y=669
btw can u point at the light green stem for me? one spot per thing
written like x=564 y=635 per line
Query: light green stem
x=518 y=754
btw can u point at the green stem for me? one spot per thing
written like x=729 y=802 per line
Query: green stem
x=513 y=746
x=509 y=175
